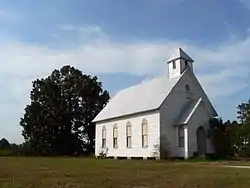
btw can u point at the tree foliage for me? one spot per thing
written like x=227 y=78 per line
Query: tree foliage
x=242 y=141
x=58 y=120
x=4 y=144
x=232 y=139
x=7 y=148
x=222 y=136
x=243 y=112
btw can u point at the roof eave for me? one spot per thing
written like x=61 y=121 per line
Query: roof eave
x=180 y=124
x=126 y=115
x=171 y=60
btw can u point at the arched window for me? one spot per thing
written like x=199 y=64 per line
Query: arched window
x=144 y=133
x=115 y=136
x=103 y=137
x=187 y=87
x=128 y=134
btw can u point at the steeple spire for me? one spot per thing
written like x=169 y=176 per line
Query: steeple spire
x=180 y=54
x=178 y=62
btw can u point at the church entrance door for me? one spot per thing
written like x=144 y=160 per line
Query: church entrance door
x=201 y=142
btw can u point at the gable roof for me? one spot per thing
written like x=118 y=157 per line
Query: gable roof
x=139 y=98
x=187 y=111
x=205 y=98
x=179 y=53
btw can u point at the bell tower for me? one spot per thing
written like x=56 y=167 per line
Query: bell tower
x=178 y=62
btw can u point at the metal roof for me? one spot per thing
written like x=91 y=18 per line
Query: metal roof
x=179 y=53
x=139 y=98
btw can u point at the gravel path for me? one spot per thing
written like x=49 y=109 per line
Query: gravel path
x=248 y=167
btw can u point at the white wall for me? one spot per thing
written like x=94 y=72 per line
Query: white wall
x=136 y=150
x=170 y=110
x=180 y=67
x=174 y=72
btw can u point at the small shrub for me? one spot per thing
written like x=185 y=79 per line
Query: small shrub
x=156 y=152
x=103 y=153
x=161 y=151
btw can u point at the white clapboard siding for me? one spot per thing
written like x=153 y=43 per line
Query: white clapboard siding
x=171 y=108
x=136 y=149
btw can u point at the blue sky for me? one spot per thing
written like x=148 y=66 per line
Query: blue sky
x=123 y=42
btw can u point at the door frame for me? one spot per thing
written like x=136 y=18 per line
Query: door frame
x=201 y=142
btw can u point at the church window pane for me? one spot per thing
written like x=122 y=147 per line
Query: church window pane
x=181 y=136
x=128 y=135
x=144 y=133
x=186 y=63
x=104 y=137
x=115 y=136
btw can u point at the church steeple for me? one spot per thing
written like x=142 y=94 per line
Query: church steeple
x=178 y=62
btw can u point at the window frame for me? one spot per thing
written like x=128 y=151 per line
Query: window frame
x=128 y=125
x=143 y=134
x=104 y=139
x=115 y=136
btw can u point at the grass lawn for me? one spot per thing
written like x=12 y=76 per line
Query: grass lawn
x=80 y=172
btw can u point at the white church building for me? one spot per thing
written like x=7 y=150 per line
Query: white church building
x=165 y=116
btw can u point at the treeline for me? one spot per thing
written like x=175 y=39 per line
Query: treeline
x=231 y=140
x=11 y=149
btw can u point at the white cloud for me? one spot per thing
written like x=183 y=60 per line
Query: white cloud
x=226 y=66
x=229 y=61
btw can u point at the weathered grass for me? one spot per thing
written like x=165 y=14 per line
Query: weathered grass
x=80 y=172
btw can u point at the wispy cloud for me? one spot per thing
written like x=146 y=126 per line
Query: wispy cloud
x=87 y=29
x=222 y=65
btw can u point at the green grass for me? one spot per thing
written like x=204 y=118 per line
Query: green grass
x=80 y=172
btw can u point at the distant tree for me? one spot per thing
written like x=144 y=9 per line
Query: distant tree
x=243 y=112
x=58 y=121
x=222 y=137
x=242 y=134
x=235 y=135
x=4 y=144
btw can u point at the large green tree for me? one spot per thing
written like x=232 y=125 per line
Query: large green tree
x=58 y=121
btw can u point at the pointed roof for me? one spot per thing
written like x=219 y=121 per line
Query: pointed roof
x=179 y=53
x=187 y=111
x=143 y=97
